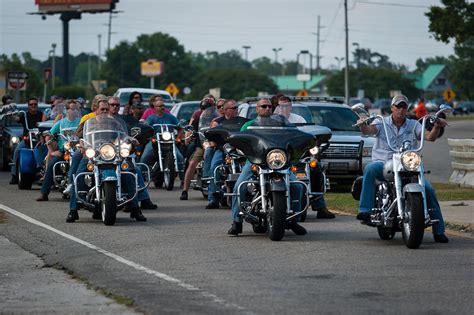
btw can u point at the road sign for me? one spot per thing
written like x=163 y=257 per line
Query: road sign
x=449 y=95
x=17 y=84
x=13 y=75
x=303 y=77
x=151 y=68
x=302 y=93
x=186 y=90
x=172 y=89
x=47 y=74
x=99 y=85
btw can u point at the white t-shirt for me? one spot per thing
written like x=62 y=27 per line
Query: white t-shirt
x=296 y=119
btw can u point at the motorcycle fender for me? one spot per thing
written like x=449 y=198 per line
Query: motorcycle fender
x=108 y=176
x=27 y=161
x=413 y=188
x=277 y=184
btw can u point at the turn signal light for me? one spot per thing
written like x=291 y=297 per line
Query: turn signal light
x=90 y=167
x=294 y=169
x=25 y=138
x=254 y=168
x=124 y=166
x=313 y=163
x=153 y=140
x=67 y=157
x=138 y=153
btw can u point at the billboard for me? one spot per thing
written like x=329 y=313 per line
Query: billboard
x=57 y=6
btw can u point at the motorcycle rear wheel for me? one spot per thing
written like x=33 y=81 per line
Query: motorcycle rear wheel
x=413 y=223
x=109 y=203
x=25 y=180
x=277 y=216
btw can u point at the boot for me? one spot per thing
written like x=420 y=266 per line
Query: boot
x=43 y=197
x=137 y=214
x=440 y=238
x=235 y=229
x=297 y=229
x=14 y=180
x=184 y=195
x=148 y=205
x=324 y=213
x=72 y=216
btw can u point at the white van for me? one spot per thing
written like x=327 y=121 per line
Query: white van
x=124 y=94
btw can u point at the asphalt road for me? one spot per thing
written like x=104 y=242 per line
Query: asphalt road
x=436 y=154
x=183 y=261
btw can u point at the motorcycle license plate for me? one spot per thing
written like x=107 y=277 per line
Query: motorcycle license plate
x=338 y=166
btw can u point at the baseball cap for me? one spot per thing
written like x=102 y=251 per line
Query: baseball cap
x=400 y=99
x=284 y=98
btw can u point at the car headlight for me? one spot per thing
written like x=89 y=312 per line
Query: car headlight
x=276 y=159
x=15 y=140
x=411 y=160
x=314 y=150
x=107 y=152
x=166 y=135
x=125 y=149
x=67 y=145
x=90 y=153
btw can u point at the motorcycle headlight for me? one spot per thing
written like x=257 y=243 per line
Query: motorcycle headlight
x=67 y=146
x=166 y=135
x=107 y=152
x=15 y=140
x=276 y=159
x=90 y=153
x=411 y=160
x=314 y=150
x=125 y=149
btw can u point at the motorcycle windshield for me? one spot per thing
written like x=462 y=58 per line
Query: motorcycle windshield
x=220 y=133
x=269 y=133
x=103 y=129
x=205 y=121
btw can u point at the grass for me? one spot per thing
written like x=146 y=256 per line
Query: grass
x=342 y=200
x=460 y=118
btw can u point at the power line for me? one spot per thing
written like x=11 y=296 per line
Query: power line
x=394 y=4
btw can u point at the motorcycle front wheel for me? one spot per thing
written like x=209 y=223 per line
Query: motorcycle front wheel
x=277 y=216
x=169 y=173
x=413 y=222
x=109 y=203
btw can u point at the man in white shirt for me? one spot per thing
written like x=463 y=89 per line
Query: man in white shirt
x=284 y=108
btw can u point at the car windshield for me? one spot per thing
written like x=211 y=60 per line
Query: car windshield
x=146 y=97
x=185 y=111
x=335 y=118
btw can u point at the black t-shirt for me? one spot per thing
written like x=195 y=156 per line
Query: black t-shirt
x=32 y=121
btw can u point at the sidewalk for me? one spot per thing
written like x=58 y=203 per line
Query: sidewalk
x=460 y=212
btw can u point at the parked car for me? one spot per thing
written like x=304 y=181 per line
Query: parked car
x=184 y=110
x=464 y=108
x=382 y=106
x=124 y=94
x=349 y=151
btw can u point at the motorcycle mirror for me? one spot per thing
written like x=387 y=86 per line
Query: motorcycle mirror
x=360 y=110
x=444 y=108
x=135 y=131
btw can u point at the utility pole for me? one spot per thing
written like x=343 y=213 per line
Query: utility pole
x=53 y=63
x=339 y=60
x=276 y=50
x=109 y=25
x=89 y=71
x=346 y=74
x=318 y=33
x=98 y=65
x=246 y=52
x=357 y=54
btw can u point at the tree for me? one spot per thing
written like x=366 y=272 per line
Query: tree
x=234 y=83
x=455 y=21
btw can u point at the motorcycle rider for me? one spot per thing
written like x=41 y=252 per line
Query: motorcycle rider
x=399 y=128
x=264 y=110
x=71 y=120
x=284 y=108
x=33 y=117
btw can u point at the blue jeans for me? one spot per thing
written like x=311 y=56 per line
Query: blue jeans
x=217 y=160
x=149 y=159
x=373 y=171
x=296 y=192
x=316 y=175
x=48 y=176
x=208 y=155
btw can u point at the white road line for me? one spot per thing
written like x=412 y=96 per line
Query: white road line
x=120 y=259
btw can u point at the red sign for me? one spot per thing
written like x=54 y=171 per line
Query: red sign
x=46 y=74
x=18 y=84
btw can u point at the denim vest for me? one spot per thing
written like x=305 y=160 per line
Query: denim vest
x=381 y=151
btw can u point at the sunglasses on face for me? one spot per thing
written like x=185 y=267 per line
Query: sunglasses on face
x=265 y=106
x=219 y=107
x=33 y=104
x=234 y=107
x=401 y=105
x=104 y=110
x=114 y=104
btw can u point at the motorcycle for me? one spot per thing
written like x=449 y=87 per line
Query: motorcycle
x=61 y=168
x=271 y=208
x=164 y=144
x=400 y=198
x=107 y=147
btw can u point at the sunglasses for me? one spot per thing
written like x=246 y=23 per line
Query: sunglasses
x=234 y=107
x=219 y=107
x=265 y=106
x=33 y=104
x=114 y=104
x=104 y=110
x=401 y=105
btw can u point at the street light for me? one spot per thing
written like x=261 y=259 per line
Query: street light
x=357 y=53
x=339 y=60
x=52 y=53
x=98 y=65
x=246 y=52
x=276 y=50
x=305 y=76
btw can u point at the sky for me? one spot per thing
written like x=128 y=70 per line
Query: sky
x=397 y=28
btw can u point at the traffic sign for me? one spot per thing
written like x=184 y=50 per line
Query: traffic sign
x=46 y=74
x=15 y=75
x=449 y=95
x=187 y=90
x=172 y=89
x=151 y=68
x=17 y=84
x=302 y=93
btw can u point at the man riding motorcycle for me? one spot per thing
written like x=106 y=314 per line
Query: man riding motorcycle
x=400 y=129
x=264 y=110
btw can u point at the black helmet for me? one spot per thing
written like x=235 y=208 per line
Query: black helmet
x=5 y=98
